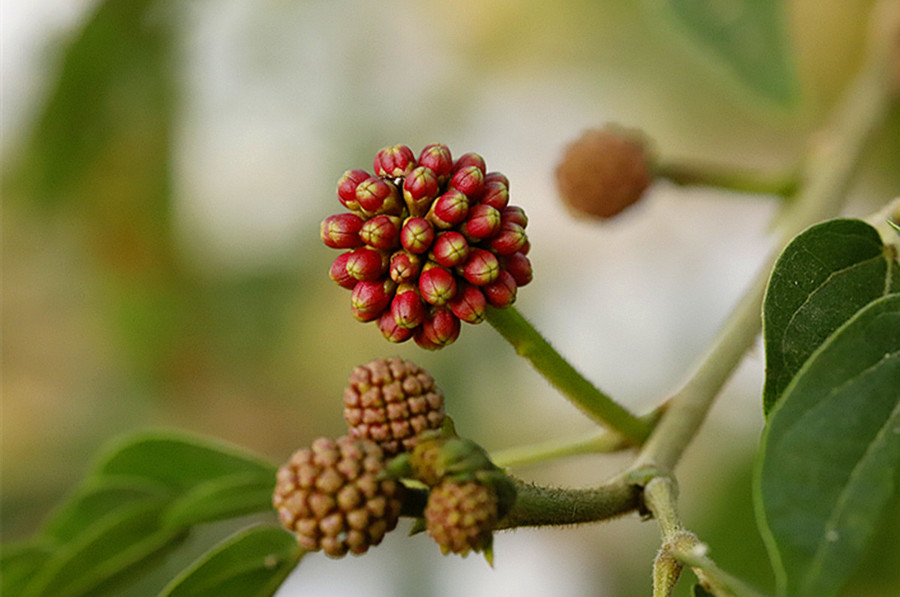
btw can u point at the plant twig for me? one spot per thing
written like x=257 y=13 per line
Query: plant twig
x=529 y=343
x=685 y=173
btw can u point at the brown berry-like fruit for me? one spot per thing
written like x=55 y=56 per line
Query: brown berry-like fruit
x=461 y=517
x=604 y=171
x=333 y=496
x=392 y=401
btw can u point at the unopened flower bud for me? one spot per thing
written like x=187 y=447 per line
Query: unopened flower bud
x=461 y=517
x=519 y=266
x=482 y=221
x=339 y=273
x=370 y=299
x=367 y=264
x=450 y=249
x=437 y=157
x=438 y=330
x=501 y=293
x=407 y=308
x=449 y=209
x=515 y=215
x=469 y=304
x=510 y=238
x=494 y=193
x=436 y=284
x=420 y=188
x=482 y=267
x=417 y=235
x=346 y=188
x=468 y=180
x=404 y=266
x=376 y=195
x=341 y=231
x=381 y=232
x=604 y=171
x=394 y=161
x=390 y=330
x=470 y=159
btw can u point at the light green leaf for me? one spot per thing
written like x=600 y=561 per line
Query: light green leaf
x=745 y=40
x=19 y=563
x=113 y=549
x=252 y=563
x=179 y=461
x=225 y=497
x=830 y=456
x=823 y=277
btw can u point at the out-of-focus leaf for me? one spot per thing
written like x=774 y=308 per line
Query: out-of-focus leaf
x=224 y=497
x=824 y=276
x=110 y=551
x=252 y=563
x=830 y=455
x=19 y=564
x=744 y=39
x=179 y=461
x=699 y=591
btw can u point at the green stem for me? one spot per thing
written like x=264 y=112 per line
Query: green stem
x=529 y=343
x=724 y=177
x=830 y=169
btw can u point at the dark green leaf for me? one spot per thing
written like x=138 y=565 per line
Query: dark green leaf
x=744 y=39
x=824 y=276
x=94 y=500
x=111 y=550
x=251 y=563
x=19 y=563
x=225 y=497
x=830 y=456
x=179 y=461
x=699 y=591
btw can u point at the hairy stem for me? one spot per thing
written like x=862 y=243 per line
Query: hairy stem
x=529 y=343
x=723 y=177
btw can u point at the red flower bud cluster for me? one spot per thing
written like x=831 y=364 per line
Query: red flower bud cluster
x=427 y=243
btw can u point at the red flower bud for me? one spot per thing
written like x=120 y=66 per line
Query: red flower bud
x=407 y=308
x=381 y=232
x=346 y=188
x=449 y=209
x=494 y=193
x=510 y=239
x=501 y=293
x=376 y=195
x=341 y=231
x=468 y=180
x=436 y=284
x=404 y=266
x=483 y=221
x=419 y=189
x=519 y=266
x=469 y=304
x=416 y=235
x=470 y=159
x=497 y=177
x=367 y=264
x=370 y=299
x=437 y=157
x=515 y=215
x=450 y=249
x=339 y=274
x=394 y=161
x=482 y=267
x=437 y=331
x=390 y=330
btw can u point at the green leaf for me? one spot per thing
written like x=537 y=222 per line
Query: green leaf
x=179 y=461
x=251 y=563
x=699 y=591
x=830 y=455
x=225 y=497
x=113 y=549
x=823 y=277
x=20 y=563
x=745 y=40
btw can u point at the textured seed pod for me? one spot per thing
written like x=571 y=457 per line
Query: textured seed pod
x=415 y=215
x=604 y=171
x=333 y=498
x=391 y=402
x=461 y=516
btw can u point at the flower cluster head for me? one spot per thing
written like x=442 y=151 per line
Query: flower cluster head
x=391 y=402
x=428 y=242
x=333 y=496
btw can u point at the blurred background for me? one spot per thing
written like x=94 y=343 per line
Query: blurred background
x=165 y=168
